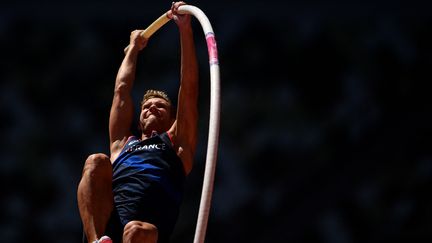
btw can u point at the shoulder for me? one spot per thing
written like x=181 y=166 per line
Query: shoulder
x=118 y=146
x=168 y=136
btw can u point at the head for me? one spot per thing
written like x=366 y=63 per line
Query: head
x=157 y=112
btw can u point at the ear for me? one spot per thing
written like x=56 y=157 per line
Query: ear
x=139 y=127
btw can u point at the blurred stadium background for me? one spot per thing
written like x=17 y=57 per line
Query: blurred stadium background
x=326 y=124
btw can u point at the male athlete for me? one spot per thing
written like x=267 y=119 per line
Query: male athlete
x=134 y=195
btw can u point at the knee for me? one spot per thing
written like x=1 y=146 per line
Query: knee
x=97 y=164
x=137 y=231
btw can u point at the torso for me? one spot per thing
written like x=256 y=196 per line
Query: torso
x=148 y=179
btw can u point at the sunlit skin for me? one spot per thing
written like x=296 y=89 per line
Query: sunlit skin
x=95 y=195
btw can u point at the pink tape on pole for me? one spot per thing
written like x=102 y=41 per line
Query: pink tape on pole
x=212 y=49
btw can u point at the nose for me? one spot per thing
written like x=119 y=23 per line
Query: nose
x=152 y=108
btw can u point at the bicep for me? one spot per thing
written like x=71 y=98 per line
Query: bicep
x=186 y=124
x=120 y=120
x=184 y=146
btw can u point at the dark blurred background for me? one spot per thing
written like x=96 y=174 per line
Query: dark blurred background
x=325 y=130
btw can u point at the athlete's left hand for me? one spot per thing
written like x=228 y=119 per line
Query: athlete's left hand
x=182 y=20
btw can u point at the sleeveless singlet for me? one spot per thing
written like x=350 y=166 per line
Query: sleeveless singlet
x=148 y=180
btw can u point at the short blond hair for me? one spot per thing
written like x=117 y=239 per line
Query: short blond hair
x=151 y=93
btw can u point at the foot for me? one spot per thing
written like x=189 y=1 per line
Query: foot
x=103 y=239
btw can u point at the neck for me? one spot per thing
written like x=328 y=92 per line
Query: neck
x=148 y=134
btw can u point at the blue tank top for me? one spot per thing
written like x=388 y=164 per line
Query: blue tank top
x=148 y=180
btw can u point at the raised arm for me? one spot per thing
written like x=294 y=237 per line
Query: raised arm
x=121 y=114
x=184 y=130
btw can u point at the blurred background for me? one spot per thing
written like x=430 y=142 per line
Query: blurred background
x=325 y=130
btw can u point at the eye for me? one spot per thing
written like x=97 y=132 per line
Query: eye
x=161 y=105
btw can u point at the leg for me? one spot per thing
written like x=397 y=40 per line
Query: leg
x=140 y=232
x=95 y=197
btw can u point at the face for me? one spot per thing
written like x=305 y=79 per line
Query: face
x=155 y=115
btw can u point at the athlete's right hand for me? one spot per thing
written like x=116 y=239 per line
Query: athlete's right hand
x=137 y=40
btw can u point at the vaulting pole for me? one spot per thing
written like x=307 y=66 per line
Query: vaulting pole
x=213 y=134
